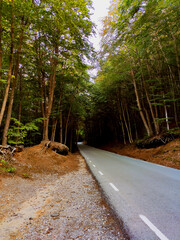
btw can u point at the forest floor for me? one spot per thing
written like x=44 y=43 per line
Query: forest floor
x=53 y=197
x=167 y=155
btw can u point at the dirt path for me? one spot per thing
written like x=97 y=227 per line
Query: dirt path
x=54 y=207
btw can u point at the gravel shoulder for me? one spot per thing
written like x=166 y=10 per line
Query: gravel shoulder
x=56 y=206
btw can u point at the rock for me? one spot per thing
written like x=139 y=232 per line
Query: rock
x=48 y=230
x=57 y=147
x=157 y=141
x=19 y=148
x=55 y=215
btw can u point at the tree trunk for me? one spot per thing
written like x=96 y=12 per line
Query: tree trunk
x=120 y=118
x=156 y=125
x=166 y=116
x=61 y=129
x=166 y=113
x=52 y=83
x=129 y=124
x=136 y=130
x=67 y=122
x=11 y=100
x=125 y=121
x=172 y=77
x=54 y=125
x=139 y=104
x=0 y=41
x=71 y=139
x=10 y=65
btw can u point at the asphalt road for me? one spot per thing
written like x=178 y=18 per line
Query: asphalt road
x=144 y=195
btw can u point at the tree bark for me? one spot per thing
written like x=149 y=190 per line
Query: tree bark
x=11 y=100
x=166 y=116
x=67 y=122
x=125 y=121
x=10 y=65
x=71 y=139
x=0 y=41
x=156 y=125
x=53 y=133
x=61 y=127
x=120 y=118
x=129 y=123
x=52 y=83
x=139 y=104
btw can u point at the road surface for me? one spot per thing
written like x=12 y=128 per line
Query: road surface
x=144 y=195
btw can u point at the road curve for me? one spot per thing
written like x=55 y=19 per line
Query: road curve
x=144 y=195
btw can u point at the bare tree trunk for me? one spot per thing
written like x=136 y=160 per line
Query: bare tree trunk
x=125 y=121
x=139 y=104
x=129 y=124
x=171 y=77
x=54 y=125
x=52 y=83
x=138 y=99
x=0 y=40
x=156 y=125
x=20 y=95
x=10 y=65
x=61 y=129
x=11 y=100
x=120 y=118
x=71 y=139
x=55 y=121
x=43 y=101
x=67 y=122
x=148 y=120
x=136 y=130
x=166 y=114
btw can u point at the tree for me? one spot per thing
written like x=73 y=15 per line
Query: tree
x=139 y=63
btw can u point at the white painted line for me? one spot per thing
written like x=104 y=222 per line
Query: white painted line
x=90 y=161
x=114 y=187
x=94 y=165
x=101 y=173
x=153 y=228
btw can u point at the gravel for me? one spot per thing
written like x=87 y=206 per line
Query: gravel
x=62 y=207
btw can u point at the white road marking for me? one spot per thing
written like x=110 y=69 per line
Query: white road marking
x=153 y=228
x=101 y=173
x=114 y=187
x=94 y=165
x=90 y=161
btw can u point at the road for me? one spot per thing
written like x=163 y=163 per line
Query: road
x=144 y=195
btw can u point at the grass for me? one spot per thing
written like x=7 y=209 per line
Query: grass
x=25 y=175
x=5 y=167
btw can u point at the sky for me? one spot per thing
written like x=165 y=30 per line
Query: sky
x=100 y=11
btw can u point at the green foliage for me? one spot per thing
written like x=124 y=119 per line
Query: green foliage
x=18 y=131
x=11 y=170
x=25 y=175
x=6 y=167
x=53 y=32
x=139 y=39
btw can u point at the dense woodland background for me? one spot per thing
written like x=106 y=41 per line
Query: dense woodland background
x=137 y=90
x=45 y=87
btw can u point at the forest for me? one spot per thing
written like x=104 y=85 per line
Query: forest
x=137 y=90
x=46 y=92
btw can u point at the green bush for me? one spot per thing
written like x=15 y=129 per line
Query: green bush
x=18 y=131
